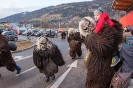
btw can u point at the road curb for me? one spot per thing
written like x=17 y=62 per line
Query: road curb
x=23 y=49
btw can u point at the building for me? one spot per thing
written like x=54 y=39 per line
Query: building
x=127 y=6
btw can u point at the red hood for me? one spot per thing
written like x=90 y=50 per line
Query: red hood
x=104 y=16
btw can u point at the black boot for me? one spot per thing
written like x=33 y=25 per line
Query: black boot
x=47 y=79
x=18 y=71
x=53 y=77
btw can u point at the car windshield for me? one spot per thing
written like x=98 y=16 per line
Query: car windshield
x=35 y=30
x=40 y=31
x=22 y=30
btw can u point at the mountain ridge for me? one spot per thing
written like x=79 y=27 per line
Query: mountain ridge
x=65 y=12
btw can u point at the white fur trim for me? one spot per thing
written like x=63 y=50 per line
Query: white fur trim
x=71 y=31
x=43 y=39
x=83 y=32
x=91 y=19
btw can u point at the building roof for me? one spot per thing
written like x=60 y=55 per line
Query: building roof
x=123 y=5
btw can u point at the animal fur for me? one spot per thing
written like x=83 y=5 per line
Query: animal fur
x=75 y=48
x=6 y=59
x=47 y=57
x=86 y=25
x=56 y=55
x=74 y=41
x=71 y=31
x=63 y=35
x=102 y=46
x=44 y=63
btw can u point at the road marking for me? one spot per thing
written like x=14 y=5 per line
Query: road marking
x=26 y=71
x=131 y=80
x=68 y=65
x=18 y=58
x=62 y=77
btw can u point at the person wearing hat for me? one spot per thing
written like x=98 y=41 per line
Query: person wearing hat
x=101 y=18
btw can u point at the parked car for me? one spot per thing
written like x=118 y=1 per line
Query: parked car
x=10 y=35
x=60 y=31
x=25 y=32
x=2 y=30
x=39 y=33
x=14 y=30
x=34 y=32
x=66 y=31
x=47 y=33
x=21 y=30
x=50 y=33
x=56 y=32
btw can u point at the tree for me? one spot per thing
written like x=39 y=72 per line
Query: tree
x=44 y=25
x=20 y=24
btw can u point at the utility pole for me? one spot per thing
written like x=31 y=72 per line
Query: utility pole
x=59 y=23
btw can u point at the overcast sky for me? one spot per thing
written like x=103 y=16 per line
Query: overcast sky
x=10 y=7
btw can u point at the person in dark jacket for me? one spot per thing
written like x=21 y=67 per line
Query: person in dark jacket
x=126 y=55
x=6 y=59
x=63 y=35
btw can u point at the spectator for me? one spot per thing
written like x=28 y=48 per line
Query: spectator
x=101 y=19
x=128 y=28
x=126 y=55
x=125 y=29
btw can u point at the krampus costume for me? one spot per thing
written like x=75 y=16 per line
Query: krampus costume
x=47 y=57
x=102 y=47
x=6 y=59
x=74 y=41
x=63 y=35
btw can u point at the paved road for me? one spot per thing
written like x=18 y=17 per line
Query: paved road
x=30 y=77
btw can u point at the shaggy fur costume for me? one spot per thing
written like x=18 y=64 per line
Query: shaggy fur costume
x=63 y=35
x=6 y=59
x=75 y=48
x=47 y=59
x=74 y=41
x=102 y=47
x=86 y=25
